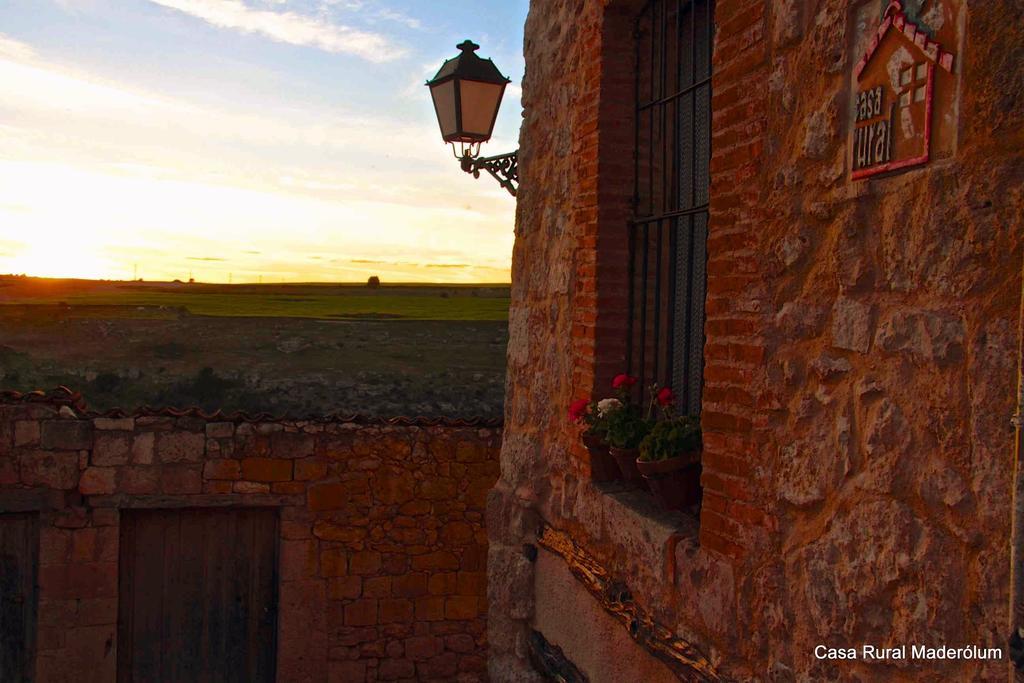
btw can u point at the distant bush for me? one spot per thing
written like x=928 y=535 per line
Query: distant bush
x=106 y=382
x=373 y=282
x=206 y=390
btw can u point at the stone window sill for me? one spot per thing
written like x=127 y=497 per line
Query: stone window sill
x=633 y=521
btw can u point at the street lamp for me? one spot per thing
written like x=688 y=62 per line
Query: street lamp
x=467 y=93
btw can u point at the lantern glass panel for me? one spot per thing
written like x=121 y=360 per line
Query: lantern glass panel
x=479 y=106
x=444 y=104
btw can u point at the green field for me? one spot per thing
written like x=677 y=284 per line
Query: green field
x=298 y=349
x=409 y=302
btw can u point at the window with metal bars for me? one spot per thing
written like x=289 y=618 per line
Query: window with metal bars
x=668 y=233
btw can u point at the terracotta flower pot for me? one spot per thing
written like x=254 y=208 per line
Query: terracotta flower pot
x=625 y=458
x=602 y=465
x=675 y=482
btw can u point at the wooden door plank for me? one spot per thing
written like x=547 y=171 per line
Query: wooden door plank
x=126 y=598
x=201 y=601
x=265 y=580
x=19 y=560
x=150 y=533
x=190 y=578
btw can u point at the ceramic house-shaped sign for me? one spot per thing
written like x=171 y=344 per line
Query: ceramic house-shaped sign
x=895 y=95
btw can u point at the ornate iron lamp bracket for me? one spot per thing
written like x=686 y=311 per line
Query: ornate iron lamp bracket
x=504 y=168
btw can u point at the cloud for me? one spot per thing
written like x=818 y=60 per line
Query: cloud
x=289 y=27
x=204 y=258
x=15 y=49
x=400 y=18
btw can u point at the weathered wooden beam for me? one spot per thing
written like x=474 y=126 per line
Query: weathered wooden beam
x=682 y=657
x=31 y=500
x=210 y=500
x=549 y=661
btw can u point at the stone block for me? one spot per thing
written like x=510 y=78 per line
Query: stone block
x=460 y=607
x=394 y=610
x=395 y=563
x=138 y=480
x=292 y=445
x=54 y=545
x=443 y=583
x=116 y=424
x=333 y=562
x=112 y=448
x=26 y=432
x=56 y=469
x=83 y=545
x=925 y=336
x=104 y=517
x=365 y=562
x=98 y=481
x=298 y=560
x=472 y=583
x=180 y=446
x=377 y=587
x=181 y=479
x=787 y=25
x=220 y=430
x=851 y=325
x=430 y=608
x=218 y=486
x=409 y=585
x=345 y=588
x=309 y=469
x=266 y=469
x=462 y=643
x=332 y=531
x=227 y=469
x=347 y=672
x=438 y=488
x=394 y=486
x=440 y=667
x=8 y=471
x=395 y=669
x=361 y=613
x=327 y=497
x=422 y=648
x=71 y=435
x=456 y=534
x=143 y=448
x=441 y=559
x=250 y=487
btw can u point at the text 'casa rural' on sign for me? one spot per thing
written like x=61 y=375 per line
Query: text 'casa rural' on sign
x=903 y=85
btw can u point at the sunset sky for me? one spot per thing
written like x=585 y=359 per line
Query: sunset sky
x=278 y=139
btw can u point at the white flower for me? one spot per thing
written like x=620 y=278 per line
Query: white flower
x=607 y=405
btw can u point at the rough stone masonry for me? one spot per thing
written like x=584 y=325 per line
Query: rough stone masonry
x=859 y=361
x=382 y=547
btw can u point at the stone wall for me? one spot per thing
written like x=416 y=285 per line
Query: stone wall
x=860 y=352
x=382 y=545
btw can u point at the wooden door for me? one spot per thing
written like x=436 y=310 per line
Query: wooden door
x=198 y=595
x=19 y=559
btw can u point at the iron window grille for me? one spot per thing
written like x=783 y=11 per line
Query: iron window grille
x=669 y=230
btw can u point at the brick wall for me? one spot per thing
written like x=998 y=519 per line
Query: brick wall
x=382 y=545
x=860 y=351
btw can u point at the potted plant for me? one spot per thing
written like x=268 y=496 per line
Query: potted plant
x=670 y=456
x=627 y=427
x=593 y=415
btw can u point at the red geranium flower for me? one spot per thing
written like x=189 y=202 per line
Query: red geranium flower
x=666 y=397
x=577 y=409
x=623 y=381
